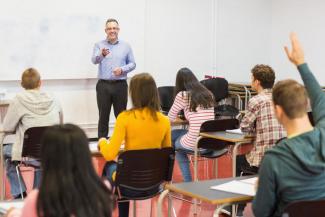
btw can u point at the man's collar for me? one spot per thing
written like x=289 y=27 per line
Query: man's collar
x=117 y=41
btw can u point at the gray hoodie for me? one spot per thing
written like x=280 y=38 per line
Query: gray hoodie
x=29 y=108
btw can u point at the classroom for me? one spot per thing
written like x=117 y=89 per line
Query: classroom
x=211 y=38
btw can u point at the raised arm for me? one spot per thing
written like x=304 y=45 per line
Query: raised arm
x=316 y=95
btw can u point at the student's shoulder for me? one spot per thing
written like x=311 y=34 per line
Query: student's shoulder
x=259 y=100
x=162 y=117
x=123 y=115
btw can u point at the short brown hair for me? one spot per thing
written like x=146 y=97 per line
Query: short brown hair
x=111 y=20
x=292 y=97
x=30 y=79
x=264 y=74
x=144 y=93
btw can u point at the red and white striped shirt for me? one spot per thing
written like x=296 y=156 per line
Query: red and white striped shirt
x=195 y=119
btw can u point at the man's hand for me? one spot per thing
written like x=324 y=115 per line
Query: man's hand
x=117 y=71
x=296 y=56
x=105 y=52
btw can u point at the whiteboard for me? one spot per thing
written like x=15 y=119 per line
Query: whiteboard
x=57 y=37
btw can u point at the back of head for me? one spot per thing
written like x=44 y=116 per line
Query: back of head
x=198 y=94
x=30 y=79
x=144 y=93
x=291 y=97
x=70 y=185
x=264 y=74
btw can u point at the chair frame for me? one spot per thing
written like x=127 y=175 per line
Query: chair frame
x=202 y=142
x=143 y=170
x=31 y=149
x=166 y=94
x=314 y=208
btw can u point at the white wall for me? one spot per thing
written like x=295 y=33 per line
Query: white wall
x=307 y=18
x=243 y=35
x=220 y=37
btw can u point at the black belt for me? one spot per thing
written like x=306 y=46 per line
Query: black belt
x=112 y=81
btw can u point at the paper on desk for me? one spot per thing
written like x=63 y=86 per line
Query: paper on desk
x=4 y=206
x=238 y=187
x=251 y=181
x=93 y=147
x=236 y=131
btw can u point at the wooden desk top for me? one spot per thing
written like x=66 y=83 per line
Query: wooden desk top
x=5 y=102
x=229 y=137
x=201 y=190
x=179 y=122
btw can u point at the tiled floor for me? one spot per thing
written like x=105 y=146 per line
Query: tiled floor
x=180 y=208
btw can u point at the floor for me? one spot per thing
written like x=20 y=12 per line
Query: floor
x=180 y=208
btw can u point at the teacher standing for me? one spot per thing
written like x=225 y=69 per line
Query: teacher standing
x=115 y=59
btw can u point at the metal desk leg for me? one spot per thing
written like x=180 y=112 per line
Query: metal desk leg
x=2 y=178
x=218 y=210
x=169 y=204
x=160 y=201
x=234 y=155
x=195 y=159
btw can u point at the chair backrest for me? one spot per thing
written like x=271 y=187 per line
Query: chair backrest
x=216 y=125
x=145 y=170
x=32 y=142
x=166 y=97
x=218 y=86
x=314 y=208
x=219 y=125
x=311 y=118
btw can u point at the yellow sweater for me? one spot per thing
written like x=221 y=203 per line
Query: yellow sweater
x=139 y=131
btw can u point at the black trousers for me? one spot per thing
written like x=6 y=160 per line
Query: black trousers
x=110 y=92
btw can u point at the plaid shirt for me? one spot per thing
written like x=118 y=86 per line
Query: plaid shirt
x=260 y=120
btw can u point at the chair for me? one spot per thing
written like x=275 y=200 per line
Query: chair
x=311 y=118
x=143 y=173
x=166 y=96
x=217 y=147
x=31 y=150
x=219 y=88
x=314 y=208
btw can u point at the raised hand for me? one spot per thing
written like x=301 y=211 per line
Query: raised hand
x=296 y=55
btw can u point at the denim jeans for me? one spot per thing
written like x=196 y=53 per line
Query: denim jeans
x=12 y=174
x=109 y=169
x=181 y=157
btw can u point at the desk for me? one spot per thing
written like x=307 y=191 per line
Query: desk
x=236 y=139
x=179 y=122
x=201 y=190
x=5 y=206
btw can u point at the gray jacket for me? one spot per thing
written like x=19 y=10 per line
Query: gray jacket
x=29 y=108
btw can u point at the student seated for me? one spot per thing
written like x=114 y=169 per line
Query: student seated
x=197 y=102
x=260 y=120
x=30 y=108
x=70 y=186
x=141 y=127
x=294 y=169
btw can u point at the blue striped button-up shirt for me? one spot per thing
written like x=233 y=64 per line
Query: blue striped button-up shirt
x=120 y=55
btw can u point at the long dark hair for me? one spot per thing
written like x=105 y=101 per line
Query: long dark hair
x=70 y=185
x=144 y=93
x=198 y=95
